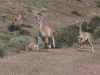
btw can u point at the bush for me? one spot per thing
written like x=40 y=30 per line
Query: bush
x=19 y=42
x=13 y=27
x=5 y=36
x=27 y=25
x=95 y=22
x=76 y=12
x=8 y=16
x=1 y=48
x=24 y=32
x=2 y=1
x=96 y=41
x=1 y=52
x=1 y=44
x=16 y=44
x=66 y=36
x=97 y=3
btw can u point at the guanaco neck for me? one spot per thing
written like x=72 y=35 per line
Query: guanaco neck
x=40 y=27
x=80 y=30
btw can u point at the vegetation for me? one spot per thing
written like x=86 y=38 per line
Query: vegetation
x=14 y=27
x=97 y=3
x=1 y=48
x=66 y=36
x=8 y=16
x=27 y=25
x=2 y=1
x=15 y=44
x=19 y=42
x=24 y=32
x=76 y=12
x=93 y=26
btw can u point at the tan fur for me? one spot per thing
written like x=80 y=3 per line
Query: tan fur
x=45 y=33
x=84 y=36
x=45 y=30
x=16 y=18
x=32 y=46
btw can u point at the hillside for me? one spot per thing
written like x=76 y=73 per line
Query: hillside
x=56 y=13
x=67 y=58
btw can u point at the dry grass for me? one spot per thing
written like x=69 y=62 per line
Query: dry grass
x=58 y=62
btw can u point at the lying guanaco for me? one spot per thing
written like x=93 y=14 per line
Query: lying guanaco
x=33 y=45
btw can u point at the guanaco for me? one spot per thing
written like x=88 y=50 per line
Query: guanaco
x=84 y=36
x=46 y=34
x=16 y=17
x=33 y=45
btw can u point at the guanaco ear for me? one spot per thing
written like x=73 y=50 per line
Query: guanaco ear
x=81 y=23
x=37 y=17
x=78 y=23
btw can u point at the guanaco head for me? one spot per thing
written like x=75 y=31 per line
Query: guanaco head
x=40 y=20
x=79 y=24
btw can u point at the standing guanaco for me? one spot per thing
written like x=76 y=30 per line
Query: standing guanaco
x=16 y=17
x=84 y=36
x=46 y=34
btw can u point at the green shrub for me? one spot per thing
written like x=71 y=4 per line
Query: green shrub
x=2 y=1
x=26 y=13
x=8 y=16
x=1 y=52
x=21 y=42
x=76 y=12
x=46 y=1
x=94 y=25
x=34 y=2
x=1 y=48
x=5 y=36
x=24 y=32
x=65 y=36
x=27 y=25
x=14 y=27
x=16 y=44
x=3 y=19
x=95 y=22
x=96 y=33
x=96 y=41
x=97 y=3
x=1 y=44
